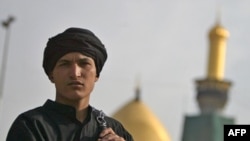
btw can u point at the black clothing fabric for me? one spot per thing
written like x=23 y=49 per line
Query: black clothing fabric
x=74 y=40
x=57 y=122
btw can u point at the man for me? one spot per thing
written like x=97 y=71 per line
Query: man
x=72 y=61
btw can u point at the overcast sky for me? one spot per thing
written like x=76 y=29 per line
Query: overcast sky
x=164 y=42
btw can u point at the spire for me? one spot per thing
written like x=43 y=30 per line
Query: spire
x=218 y=16
x=137 y=90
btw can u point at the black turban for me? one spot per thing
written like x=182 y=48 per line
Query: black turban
x=74 y=40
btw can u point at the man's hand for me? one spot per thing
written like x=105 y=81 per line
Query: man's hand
x=109 y=135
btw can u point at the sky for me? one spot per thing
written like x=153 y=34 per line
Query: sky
x=164 y=43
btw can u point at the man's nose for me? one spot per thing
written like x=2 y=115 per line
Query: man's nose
x=75 y=71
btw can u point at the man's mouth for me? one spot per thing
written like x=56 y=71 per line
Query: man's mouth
x=75 y=83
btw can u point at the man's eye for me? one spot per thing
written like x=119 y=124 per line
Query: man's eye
x=84 y=63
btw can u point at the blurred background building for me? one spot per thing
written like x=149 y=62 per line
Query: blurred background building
x=212 y=97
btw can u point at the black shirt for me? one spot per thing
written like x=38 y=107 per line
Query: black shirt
x=57 y=122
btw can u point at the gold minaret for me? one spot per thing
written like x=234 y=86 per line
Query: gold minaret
x=212 y=91
x=216 y=61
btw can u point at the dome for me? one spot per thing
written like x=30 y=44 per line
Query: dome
x=138 y=119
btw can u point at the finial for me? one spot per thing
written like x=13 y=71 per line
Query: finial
x=218 y=16
x=137 y=89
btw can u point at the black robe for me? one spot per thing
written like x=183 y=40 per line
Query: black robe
x=57 y=122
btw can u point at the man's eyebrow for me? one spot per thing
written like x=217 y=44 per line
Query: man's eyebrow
x=64 y=60
x=84 y=59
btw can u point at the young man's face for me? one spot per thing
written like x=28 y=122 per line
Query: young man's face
x=74 y=76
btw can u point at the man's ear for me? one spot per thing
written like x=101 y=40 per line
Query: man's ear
x=51 y=78
x=96 y=79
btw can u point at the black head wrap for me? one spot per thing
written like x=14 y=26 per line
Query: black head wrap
x=74 y=40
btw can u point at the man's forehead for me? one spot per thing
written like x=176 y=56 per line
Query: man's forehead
x=75 y=56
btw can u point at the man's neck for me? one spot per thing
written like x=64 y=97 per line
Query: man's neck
x=81 y=114
x=81 y=107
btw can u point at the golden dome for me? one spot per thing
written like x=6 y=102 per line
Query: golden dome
x=138 y=119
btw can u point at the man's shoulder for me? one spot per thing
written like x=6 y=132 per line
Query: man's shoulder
x=32 y=113
x=116 y=125
x=112 y=120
